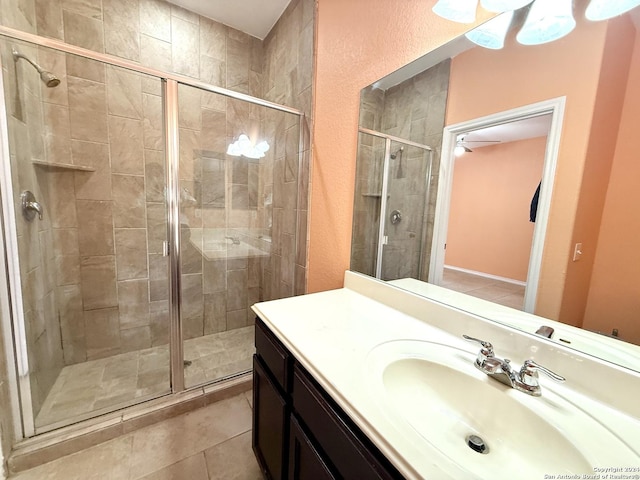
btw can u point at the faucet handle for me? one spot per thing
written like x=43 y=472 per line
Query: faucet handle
x=487 y=348
x=529 y=373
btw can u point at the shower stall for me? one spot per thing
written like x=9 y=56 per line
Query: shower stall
x=393 y=224
x=143 y=213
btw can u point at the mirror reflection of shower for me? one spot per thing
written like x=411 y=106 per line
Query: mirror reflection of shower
x=48 y=78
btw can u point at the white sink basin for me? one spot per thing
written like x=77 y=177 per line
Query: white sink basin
x=434 y=391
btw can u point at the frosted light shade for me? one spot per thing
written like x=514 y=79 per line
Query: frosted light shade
x=605 y=9
x=461 y=11
x=459 y=150
x=244 y=147
x=491 y=34
x=548 y=20
x=503 y=5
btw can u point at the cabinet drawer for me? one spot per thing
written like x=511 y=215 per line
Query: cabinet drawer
x=274 y=355
x=351 y=453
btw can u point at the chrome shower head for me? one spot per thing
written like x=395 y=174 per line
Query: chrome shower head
x=48 y=78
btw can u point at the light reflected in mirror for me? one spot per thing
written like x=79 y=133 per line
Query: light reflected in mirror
x=589 y=269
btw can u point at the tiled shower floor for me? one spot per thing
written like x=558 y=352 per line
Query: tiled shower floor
x=115 y=381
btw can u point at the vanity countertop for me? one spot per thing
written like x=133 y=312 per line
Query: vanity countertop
x=332 y=334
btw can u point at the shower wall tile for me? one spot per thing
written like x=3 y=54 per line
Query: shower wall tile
x=95 y=227
x=130 y=261
x=214 y=124
x=57 y=143
x=133 y=339
x=62 y=205
x=192 y=297
x=83 y=31
x=124 y=92
x=154 y=173
x=185 y=47
x=102 y=331
x=98 y=276
x=189 y=111
x=159 y=327
x=236 y=289
x=67 y=269
x=133 y=303
x=155 y=53
x=85 y=68
x=65 y=241
x=72 y=326
x=156 y=227
x=152 y=122
x=94 y=185
x=237 y=319
x=89 y=8
x=215 y=312
x=122 y=28
x=87 y=110
x=184 y=14
x=155 y=19
x=126 y=145
x=213 y=39
x=238 y=63
x=128 y=201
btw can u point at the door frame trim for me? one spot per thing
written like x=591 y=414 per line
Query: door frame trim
x=555 y=107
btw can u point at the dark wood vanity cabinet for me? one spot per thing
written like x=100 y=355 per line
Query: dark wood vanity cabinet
x=299 y=432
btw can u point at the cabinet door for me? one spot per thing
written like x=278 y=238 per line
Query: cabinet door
x=305 y=462
x=270 y=424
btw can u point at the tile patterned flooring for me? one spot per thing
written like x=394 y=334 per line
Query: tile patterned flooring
x=497 y=291
x=211 y=443
x=116 y=381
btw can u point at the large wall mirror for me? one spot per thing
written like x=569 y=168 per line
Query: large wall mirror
x=512 y=176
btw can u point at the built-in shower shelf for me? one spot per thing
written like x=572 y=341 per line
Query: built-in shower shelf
x=63 y=166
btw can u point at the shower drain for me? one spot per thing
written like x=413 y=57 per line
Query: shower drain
x=476 y=443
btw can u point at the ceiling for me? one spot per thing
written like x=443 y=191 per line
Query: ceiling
x=509 y=132
x=255 y=17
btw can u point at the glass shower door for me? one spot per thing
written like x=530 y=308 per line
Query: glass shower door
x=406 y=228
x=85 y=186
x=239 y=165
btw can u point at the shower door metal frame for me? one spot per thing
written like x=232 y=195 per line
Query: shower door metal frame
x=19 y=384
x=385 y=189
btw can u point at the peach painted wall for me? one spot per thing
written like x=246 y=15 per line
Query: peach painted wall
x=489 y=229
x=599 y=158
x=358 y=42
x=614 y=295
x=546 y=71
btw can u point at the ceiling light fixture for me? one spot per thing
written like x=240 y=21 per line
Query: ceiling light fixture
x=606 y=9
x=503 y=5
x=461 y=11
x=244 y=147
x=491 y=34
x=547 y=20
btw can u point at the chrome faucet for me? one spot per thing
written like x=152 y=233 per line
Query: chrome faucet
x=525 y=380
x=234 y=240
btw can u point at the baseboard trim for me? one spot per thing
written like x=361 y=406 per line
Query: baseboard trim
x=487 y=275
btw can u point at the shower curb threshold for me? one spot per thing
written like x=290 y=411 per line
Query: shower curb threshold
x=55 y=444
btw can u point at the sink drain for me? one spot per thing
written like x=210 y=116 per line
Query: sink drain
x=476 y=443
